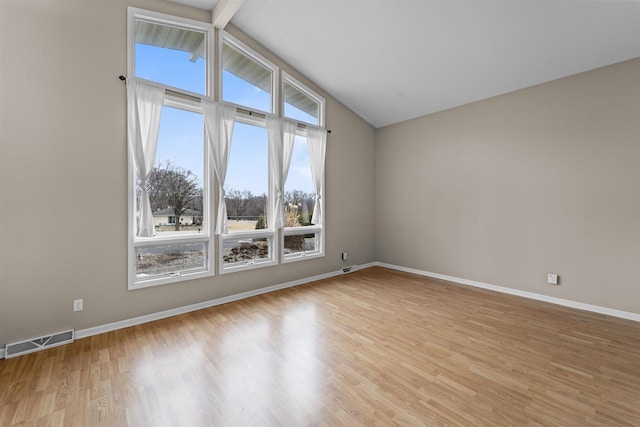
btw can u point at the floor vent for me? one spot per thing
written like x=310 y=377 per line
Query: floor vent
x=36 y=344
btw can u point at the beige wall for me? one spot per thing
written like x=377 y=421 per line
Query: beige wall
x=505 y=190
x=501 y=191
x=63 y=151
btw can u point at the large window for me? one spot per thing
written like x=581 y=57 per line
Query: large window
x=168 y=172
x=185 y=146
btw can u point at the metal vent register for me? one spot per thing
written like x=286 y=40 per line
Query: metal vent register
x=37 y=344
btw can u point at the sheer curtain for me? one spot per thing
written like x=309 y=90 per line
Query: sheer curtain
x=317 y=143
x=218 y=122
x=144 y=105
x=281 y=137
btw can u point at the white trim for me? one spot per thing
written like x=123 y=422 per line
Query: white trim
x=1 y=353
x=301 y=256
x=292 y=231
x=172 y=240
x=531 y=295
x=180 y=276
x=83 y=333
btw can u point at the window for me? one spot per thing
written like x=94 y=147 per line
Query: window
x=247 y=79
x=173 y=243
x=268 y=171
x=302 y=236
x=247 y=183
x=301 y=103
x=171 y=55
x=249 y=240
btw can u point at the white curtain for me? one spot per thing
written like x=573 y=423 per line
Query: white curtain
x=317 y=143
x=218 y=122
x=281 y=138
x=144 y=105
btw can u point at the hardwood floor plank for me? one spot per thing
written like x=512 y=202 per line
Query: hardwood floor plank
x=375 y=347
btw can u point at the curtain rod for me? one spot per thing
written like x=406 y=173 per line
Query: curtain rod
x=241 y=109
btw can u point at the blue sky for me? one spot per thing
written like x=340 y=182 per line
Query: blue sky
x=181 y=134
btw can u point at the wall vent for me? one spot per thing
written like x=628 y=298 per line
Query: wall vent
x=36 y=344
x=349 y=269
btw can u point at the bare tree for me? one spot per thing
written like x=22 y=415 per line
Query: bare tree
x=174 y=187
x=258 y=206
x=238 y=202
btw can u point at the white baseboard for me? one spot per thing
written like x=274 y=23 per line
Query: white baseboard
x=83 y=333
x=531 y=295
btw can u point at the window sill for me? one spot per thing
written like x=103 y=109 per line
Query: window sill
x=141 y=284
x=301 y=256
x=244 y=266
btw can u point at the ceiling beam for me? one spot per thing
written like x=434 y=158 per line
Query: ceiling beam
x=224 y=11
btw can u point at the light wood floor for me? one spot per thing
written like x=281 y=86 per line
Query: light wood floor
x=375 y=347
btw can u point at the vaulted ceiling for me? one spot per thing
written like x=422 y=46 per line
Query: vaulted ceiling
x=390 y=61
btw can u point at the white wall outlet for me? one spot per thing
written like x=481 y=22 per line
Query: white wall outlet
x=552 y=279
x=78 y=304
x=345 y=256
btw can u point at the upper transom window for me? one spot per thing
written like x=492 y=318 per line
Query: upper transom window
x=247 y=79
x=300 y=103
x=171 y=55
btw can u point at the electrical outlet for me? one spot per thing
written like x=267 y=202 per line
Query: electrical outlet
x=78 y=304
x=345 y=256
x=552 y=279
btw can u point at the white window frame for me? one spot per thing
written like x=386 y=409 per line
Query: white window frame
x=241 y=117
x=300 y=256
x=317 y=229
x=243 y=48
x=185 y=100
x=292 y=81
x=269 y=233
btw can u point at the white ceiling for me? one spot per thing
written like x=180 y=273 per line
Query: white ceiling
x=390 y=61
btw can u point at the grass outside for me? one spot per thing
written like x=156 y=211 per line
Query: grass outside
x=241 y=225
